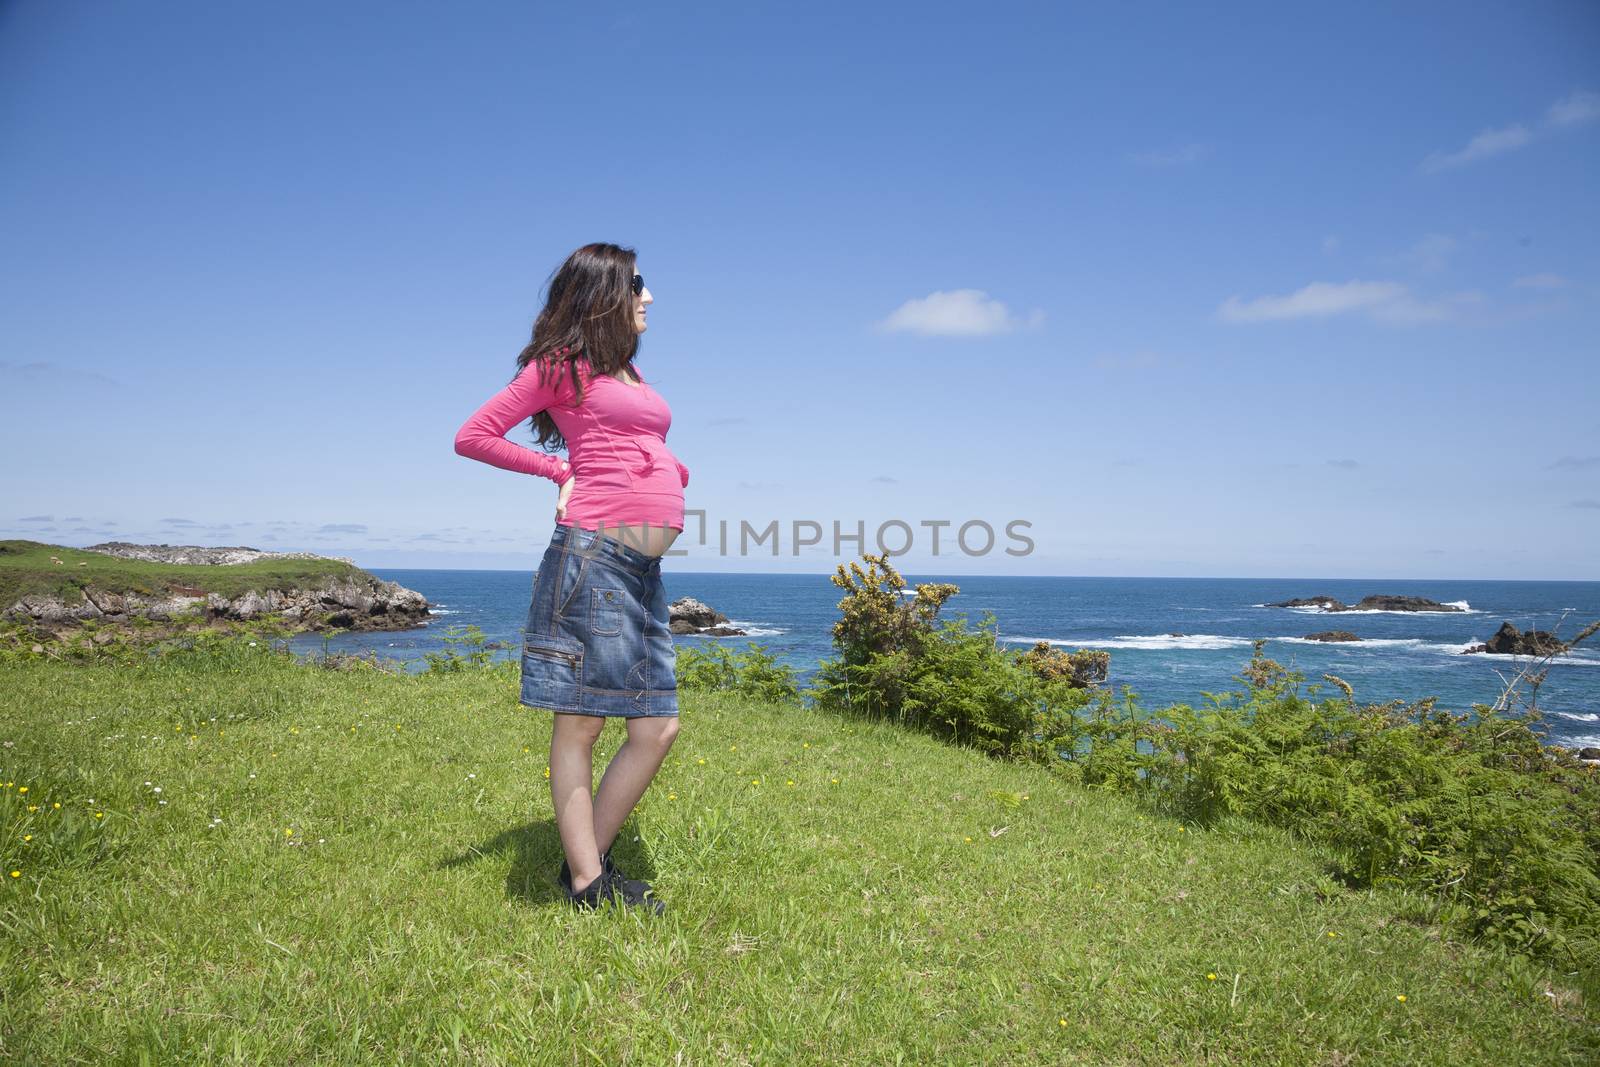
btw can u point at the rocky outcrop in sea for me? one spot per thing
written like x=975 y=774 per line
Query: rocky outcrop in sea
x=686 y=615
x=1377 y=602
x=1510 y=641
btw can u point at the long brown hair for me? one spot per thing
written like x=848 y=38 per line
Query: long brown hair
x=588 y=315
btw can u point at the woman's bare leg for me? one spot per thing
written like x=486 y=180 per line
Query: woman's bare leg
x=629 y=774
x=572 y=741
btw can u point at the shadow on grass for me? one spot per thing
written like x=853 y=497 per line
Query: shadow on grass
x=536 y=855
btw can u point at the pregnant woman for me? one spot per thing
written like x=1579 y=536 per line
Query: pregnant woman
x=597 y=644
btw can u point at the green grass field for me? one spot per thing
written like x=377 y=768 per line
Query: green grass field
x=259 y=862
x=27 y=567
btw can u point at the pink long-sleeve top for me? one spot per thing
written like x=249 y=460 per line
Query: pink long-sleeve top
x=616 y=442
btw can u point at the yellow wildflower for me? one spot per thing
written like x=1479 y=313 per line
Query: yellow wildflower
x=21 y=791
x=1212 y=977
x=1401 y=997
x=16 y=874
x=99 y=814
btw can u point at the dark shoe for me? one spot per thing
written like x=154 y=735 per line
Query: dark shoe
x=634 y=889
x=592 y=895
x=611 y=883
x=564 y=876
x=606 y=867
x=634 y=893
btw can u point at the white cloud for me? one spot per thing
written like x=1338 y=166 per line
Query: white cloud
x=1486 y=144
x=1431 y=253
x=1573 y=110
x=1579 y=107
x=956 y=313
x=1386 y=302
x=1173 y=157
x=1541 y=281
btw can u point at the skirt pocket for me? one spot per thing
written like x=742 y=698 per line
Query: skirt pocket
x=606 y=611
x=550 y=674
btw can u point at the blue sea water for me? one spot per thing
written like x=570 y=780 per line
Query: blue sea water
x=1402 y=655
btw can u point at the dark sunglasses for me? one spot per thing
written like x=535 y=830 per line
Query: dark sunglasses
x=638 y=284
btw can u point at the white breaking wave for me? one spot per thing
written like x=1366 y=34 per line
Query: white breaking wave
x=1365 y=642
x=1208 y=642
x=754 y=629
x=1579 y=716
x=1462 y=604
x=1149 y=641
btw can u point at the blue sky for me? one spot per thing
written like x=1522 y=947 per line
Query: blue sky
x=1258 y=290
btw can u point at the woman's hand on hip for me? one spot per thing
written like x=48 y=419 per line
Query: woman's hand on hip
x=566 y=494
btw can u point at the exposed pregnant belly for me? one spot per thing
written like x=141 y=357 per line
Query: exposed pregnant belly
x=651 y=539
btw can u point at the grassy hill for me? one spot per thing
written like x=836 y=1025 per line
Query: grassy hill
x=27 y=567
x=255 y=861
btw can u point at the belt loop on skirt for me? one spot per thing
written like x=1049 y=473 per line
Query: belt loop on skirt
x=577 y=541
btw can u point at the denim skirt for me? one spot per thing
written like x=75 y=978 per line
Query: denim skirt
x=597 y=640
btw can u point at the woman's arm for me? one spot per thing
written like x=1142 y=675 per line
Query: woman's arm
x=483 y=436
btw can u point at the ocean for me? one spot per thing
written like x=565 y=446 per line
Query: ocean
x=1402 y=655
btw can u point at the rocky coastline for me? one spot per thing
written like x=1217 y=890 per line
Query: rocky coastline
x=201 y=555
x=350 y=599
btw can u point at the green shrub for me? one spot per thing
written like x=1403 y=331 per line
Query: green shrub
x=1499 y=830
x=753 y=672
x=897 y=662
x=451 y=659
